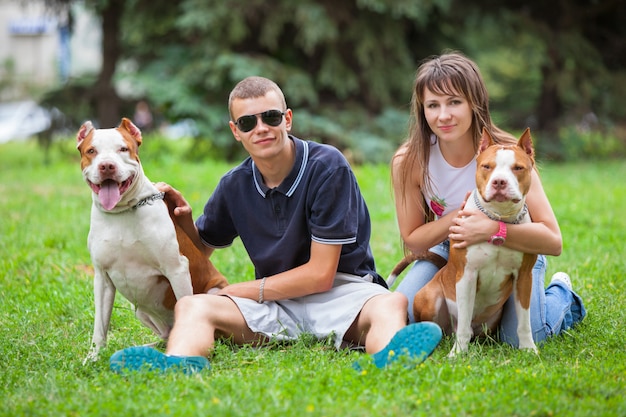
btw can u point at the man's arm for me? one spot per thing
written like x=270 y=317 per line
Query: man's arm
x=315 y=276
x=181 y=213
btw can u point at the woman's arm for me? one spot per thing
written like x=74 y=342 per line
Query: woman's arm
x=416 y=234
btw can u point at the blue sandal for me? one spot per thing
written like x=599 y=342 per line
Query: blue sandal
x=139 y=358
x=415 y=342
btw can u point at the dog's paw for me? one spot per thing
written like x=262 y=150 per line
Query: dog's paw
x=92 y=356
x=457 y=349
x=530 y=348
x=89 y=359
x=526 y=342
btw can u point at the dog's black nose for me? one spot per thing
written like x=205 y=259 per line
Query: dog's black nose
x=499 y=184
x=106 y=168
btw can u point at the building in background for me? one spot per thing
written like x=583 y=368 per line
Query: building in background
x=41 y=47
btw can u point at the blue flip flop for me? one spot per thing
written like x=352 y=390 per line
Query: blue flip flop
x=139 y=358
x=414 y=342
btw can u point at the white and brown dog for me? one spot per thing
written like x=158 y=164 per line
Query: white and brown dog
x=136 y=245
x=469 y=292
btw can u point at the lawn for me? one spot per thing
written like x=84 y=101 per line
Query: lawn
x=46 y=313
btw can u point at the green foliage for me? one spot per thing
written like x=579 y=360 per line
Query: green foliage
x=46 y=313
x=512 y=75
x=7 y=81
x=75 y=99
x=579 y=143
x=544 y=63
x=326 y=60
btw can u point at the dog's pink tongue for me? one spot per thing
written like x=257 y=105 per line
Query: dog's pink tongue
x=109 y=194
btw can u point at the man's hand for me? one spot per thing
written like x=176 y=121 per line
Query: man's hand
x=174 y=199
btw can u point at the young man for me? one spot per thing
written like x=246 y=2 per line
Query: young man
x=298 y=210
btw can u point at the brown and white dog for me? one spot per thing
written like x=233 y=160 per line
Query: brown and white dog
x=136 y=245
x=469 y=292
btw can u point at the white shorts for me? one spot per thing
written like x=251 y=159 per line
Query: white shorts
x=327 y=314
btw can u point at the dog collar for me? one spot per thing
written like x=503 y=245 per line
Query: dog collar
x=497 y=217
x=150 y=199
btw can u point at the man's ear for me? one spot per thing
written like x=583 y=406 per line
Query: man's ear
x=233 y=128
x=288 y=119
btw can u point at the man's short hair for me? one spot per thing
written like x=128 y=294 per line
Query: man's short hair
x=253 y=87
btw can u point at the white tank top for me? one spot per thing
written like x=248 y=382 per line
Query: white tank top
x=449 y=184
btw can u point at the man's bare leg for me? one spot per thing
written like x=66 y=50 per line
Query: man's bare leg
x=381 y=327
x=199 y=318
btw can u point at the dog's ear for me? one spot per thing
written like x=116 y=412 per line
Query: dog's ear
x=485 y=140
x=526 y=143
x=134 y=131
x=83 y=132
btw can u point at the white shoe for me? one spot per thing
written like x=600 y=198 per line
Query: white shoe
x=563 y=278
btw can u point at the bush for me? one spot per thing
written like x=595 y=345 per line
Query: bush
x=578 y=143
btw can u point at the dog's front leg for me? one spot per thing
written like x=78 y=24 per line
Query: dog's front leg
x=522 y=292
x=177 y=272
x=104 y=297
x=524 y=331
x=465 y=298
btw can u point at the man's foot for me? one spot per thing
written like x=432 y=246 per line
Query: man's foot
x=414 y=342
x=147 y=358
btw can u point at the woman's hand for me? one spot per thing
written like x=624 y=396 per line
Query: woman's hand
x=470 y=227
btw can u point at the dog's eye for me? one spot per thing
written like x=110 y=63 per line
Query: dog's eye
x=124 y=149
x=91 y=151
x=486 y=167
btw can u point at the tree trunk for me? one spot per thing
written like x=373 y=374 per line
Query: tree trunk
x=108 y=102
x=550 y=106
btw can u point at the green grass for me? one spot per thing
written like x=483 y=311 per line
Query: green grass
x=46 y=313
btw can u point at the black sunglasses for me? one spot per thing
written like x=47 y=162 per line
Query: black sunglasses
x=271 y=118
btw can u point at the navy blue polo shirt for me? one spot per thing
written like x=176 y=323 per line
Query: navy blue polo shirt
x=319 y=200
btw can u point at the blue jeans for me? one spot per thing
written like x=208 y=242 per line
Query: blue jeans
x=552 y=310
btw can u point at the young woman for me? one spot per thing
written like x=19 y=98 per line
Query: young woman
x=435 y=168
